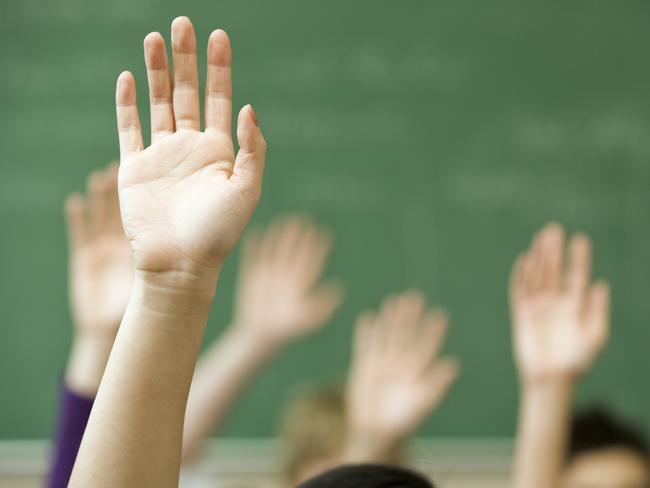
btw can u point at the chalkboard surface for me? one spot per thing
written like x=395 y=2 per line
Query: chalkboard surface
x=431 y=137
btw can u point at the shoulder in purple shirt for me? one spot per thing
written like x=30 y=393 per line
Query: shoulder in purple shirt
x=74 y=410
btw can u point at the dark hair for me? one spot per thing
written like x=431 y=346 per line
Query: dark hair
x=368 y=476
x=597 y=428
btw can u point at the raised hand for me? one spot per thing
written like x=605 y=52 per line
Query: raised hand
x=186 y=198
x=560 y=318
x=560 y=323
x=397 y=378
x=279 y=297
x=100 y=261
x=184 y=201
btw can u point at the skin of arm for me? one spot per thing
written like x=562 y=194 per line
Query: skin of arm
x=397 y=377
x=279 y=299
x=184 y=201
x=101 y=277
x=560 y=324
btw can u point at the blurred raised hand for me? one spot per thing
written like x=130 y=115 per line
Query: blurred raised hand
x=100 y=260
x=560 y=323
x=560 y=318
x=186 y=198
x=397 y=377
x=279 y=299
x=279 y=294
x=100 y=278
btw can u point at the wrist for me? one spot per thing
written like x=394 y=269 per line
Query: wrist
x=550 y=382
x=177 y=293
x=551 y=394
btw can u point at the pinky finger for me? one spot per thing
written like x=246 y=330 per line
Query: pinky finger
x=441 y=376
x=128 y=121
x=517 y=275
x=75 y=216
x=325 y=301
x=434 y=331
x=364 y=331
x=598 y=306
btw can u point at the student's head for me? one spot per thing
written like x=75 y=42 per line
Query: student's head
x=368 y=476
x=605 y=452
x=313 y=432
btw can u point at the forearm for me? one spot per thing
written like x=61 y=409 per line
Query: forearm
x=136 y=422
x=223 y=372
x=542 y=434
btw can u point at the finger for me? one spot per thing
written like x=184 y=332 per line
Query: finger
x=386 y=314
x=396 y=328
x=218 y=86
x=536 y=270
x=363 y=339
x=186 y=77
x=313 y=256
x=249 y=164
x=434 y=331
x=160 y=86
x=363 y=325
x=251 y=265
x=383 y=320
x=517 y=278
x=269 y=240
x=323 y=243
x=324 y=302
x=579 y=273
x=112 y=199
x=440 y=377
x=529 y=270
x=75 y=219
x=96 y=191
x=406 y=321
x=552 y=256
x=289 y=232
x=250 y=249
x=128 y=121
x=597 y=311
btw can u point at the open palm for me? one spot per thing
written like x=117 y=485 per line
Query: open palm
x=186 y=199
x=560 y=320
x=101 y=267
x=279 y=295
x=396 y=378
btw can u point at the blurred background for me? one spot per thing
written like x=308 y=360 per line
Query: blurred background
x=432 y=138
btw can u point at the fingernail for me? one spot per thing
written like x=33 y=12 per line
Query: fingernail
x=253 y=114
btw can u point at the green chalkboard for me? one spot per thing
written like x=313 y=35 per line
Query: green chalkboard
x=431 y=137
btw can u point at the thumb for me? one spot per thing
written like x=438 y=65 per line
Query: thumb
x=249 y=163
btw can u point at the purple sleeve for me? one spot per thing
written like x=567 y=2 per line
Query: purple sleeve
x=74 y=410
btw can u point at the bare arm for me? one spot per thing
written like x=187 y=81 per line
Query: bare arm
x=545 y=411
x=279 y=300
x=223 y=372
x=184 y=201
x=560 y=324
x=396 y=379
